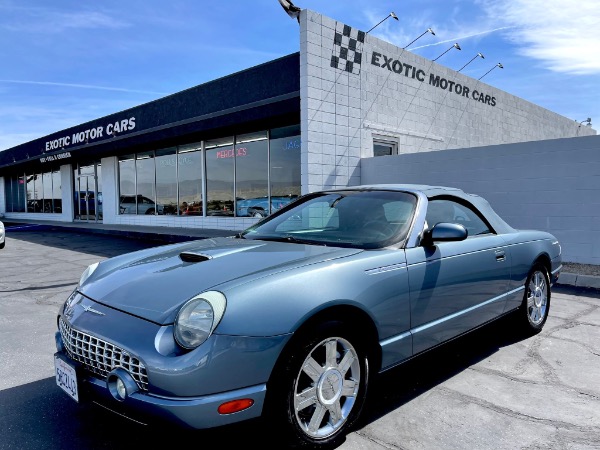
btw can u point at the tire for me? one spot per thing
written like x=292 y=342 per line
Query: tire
x=150 y=211
x=3 y=244
x=534 y=310
x=318 y=391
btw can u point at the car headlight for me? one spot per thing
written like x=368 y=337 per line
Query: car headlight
x=88 y=272
x=198 y=318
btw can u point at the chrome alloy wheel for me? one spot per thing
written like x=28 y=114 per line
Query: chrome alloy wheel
x=326 y=387
x=537 y=298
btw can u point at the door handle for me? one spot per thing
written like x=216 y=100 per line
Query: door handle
x=500 y=255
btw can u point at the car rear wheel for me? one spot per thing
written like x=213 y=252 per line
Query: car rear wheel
x=319 y=391
x=536 y=300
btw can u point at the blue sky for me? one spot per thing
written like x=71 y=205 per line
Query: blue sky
x=66 y=62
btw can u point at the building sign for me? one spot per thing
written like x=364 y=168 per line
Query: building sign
x=348 y=55
x=91 y=134
x=230 y=153
x=57 y=157
x=347 y=49
x=406 y=70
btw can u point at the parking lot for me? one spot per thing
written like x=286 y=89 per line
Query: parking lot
x=492 y=389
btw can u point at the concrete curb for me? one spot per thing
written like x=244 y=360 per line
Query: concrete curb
x=573 y=279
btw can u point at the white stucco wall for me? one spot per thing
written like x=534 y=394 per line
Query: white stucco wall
x=551 y=185
x=389 y=94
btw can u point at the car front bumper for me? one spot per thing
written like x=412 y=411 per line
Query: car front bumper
x=147 y=408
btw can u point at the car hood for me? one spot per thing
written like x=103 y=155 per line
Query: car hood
x=153 y=284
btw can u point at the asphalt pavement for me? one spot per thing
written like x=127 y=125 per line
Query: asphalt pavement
x=492 y=389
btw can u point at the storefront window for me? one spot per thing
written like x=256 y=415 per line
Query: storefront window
x=239 y=172
x=32 y=195
x=220 y=163
x=46 y=196
x=284 y=168
x=251 y=175
x=127 y=185
x=35 y=193
x=21 y=194
x=56 y=193
x=166 y=179
x=189 y=167
x=16 y=193
x=146 y=185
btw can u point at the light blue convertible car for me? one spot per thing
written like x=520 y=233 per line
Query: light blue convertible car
x=293 y=318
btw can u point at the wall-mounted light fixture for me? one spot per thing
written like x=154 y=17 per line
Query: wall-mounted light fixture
x=392 y=14
x=588 y=123
x=497 y=65
x=456 y=46
x=428 y=30
x=292 y=10
x=478 y=55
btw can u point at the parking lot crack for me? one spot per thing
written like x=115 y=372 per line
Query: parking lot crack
x=592 y=430
x=379 y=442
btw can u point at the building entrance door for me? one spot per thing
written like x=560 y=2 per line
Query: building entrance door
x=88 y=193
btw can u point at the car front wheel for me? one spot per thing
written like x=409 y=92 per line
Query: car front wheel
x=320 y=390
x=536 y=301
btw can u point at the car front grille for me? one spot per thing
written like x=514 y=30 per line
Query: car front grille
x=99 y=356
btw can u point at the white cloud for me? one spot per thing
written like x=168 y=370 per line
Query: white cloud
x=45 y=20
x=83 y=86
x=564 y=35
x=460 y=38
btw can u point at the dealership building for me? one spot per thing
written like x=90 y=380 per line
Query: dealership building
x=222 y=154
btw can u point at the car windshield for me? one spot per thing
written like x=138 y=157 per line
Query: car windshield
x=360 y=219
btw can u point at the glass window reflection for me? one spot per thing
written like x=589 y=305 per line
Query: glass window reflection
x=166 y=179
x=220 y=160
x=248 y=175
x=284 y=168
x=127 y=185
x=251 y=175
x=189 y=166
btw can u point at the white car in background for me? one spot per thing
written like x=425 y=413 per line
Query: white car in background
x=2 y=235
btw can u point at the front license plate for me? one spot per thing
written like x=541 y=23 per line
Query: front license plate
x=66 y=378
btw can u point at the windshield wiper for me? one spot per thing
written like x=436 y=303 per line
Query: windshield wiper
x=289 y=238
x=286 y=238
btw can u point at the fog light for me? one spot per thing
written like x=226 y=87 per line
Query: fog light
x=121 y=391
x=121 y=384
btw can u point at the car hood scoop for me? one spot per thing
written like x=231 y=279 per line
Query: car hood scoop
x=205 y=255
x=193 y=257
x=154 y=283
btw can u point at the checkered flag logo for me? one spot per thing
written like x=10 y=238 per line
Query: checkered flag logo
x=347 y=48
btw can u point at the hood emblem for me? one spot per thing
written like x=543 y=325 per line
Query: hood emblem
x=92 y=310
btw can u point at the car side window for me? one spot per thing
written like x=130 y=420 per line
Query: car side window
x=445 y=210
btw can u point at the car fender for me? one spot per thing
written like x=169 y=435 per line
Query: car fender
x=375 y=281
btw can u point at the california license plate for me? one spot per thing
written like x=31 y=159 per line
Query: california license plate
x=66 y=377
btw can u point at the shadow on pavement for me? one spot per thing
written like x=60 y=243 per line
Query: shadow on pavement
x=404 y=383
x=82 y=241
x=39 y=415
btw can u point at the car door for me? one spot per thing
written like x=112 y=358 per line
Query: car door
x=456 y=286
